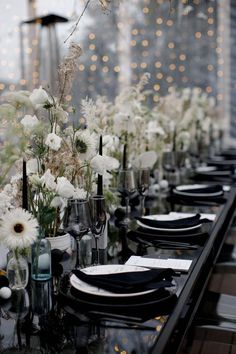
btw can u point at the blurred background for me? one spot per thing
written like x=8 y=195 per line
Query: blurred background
x=187 y=46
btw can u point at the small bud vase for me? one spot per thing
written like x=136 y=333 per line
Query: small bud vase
x=17 y=270
x=41 y=259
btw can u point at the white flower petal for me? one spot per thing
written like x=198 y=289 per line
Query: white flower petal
x=53 y=141
x=64 y=188
x=19 y=229
x=39 y=96
x=29 y=122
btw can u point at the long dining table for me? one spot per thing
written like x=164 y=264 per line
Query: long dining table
x=47 y=318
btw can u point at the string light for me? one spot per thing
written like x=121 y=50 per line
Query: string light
x=155 y=47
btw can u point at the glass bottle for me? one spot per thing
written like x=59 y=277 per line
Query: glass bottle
x=41 y=259
x=17 y=270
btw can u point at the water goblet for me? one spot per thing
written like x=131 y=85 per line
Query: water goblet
x=98 y=220
x=143 y=181
x=171 y=163
x=126 y=186
x=77 y=223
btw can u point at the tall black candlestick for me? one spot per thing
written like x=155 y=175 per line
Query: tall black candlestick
x=100 y=179
x=124 y=156
x=24 y=187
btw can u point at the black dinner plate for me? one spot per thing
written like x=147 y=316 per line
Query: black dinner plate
x=148 y=308
x=193 y=236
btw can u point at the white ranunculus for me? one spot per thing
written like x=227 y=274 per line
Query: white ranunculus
x=64 y=188
x=60 y=114
x=49 y=180
x=39 y=96
x=79 y=193
x=58 y=202
x=102 y=164
x=53 y=141
x=32 y=166
x=29 y=122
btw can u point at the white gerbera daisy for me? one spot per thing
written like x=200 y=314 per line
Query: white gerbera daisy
x=19 y=229
x=85 y=144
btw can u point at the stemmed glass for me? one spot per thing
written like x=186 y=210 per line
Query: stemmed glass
x=77 y=223
x=126 y=186
x=173 y=162
x=143 y=181
x=171 y=167
x=98 y=220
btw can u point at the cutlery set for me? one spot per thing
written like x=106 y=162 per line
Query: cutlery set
x=167 y=244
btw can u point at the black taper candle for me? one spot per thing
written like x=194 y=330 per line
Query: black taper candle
x=125 y=153
x=100 y=179
x=24 y=187
x=124 y=156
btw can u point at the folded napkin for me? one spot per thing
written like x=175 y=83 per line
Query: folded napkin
x=196 y=200
x=216 y=173
x=174 y=224
x=193 y=237
x=221 y=162
x=129 y=282
x=206 y=190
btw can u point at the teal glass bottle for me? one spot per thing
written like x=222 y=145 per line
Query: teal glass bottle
x=41 y=259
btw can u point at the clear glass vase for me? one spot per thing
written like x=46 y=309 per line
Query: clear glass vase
x=41 y=260
x=17 y=270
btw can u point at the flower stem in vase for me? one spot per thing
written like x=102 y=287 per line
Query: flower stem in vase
x=17 y=269
x=41 y=259
x=100 y=179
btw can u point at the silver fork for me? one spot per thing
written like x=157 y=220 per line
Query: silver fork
x=167 y=244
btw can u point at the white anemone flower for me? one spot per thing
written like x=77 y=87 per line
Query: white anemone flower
x=29 y=123
x=39 y=96
x=53 y=141
x=19 y=229
x=33 y=166
x=49 y=180
x=59 y=202
x=85 y=144
x=64 y=188
x=102 y=164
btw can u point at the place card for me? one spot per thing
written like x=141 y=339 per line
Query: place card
x=181 y=265
x=179 y=215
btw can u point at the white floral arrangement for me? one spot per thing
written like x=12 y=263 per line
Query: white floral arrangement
x=183 y=117
x=124 y=121
x=62 y=160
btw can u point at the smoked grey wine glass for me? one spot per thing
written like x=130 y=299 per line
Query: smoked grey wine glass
x=98 y=220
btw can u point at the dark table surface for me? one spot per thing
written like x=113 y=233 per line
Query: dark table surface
x=42 y=319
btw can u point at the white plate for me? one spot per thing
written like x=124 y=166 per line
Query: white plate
x=106 y=269
x=182 y=190
x=215 y=172
x=166 y=217
x=205 y=169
